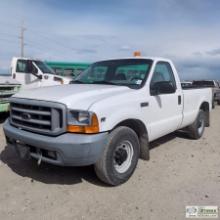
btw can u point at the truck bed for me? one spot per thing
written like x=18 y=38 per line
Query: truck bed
x=185 y=87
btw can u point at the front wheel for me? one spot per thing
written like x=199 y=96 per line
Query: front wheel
x=196 y=129
x=120 y=157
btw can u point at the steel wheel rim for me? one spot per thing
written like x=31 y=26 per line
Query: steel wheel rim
x=125 y=147
x=201 y=125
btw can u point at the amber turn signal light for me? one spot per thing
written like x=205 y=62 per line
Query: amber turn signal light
x=93 y=128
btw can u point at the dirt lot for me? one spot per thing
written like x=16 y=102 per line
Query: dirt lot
x=181 y=172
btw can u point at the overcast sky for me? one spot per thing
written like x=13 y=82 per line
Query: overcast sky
x=186 y=31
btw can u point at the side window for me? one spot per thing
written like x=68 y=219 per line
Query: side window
x=30 y=68
x=163 y=72
x=21 y=66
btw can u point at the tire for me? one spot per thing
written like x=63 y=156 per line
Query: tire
x=213 y=104
x=119 y=158
x=196 y=130
x=218 y=102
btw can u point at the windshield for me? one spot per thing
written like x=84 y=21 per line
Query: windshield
x=126 y=72
x=44 y=67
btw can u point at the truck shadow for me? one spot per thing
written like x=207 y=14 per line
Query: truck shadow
x=50 y=174
x=46 y=173
x=169 y=137
x=3 y=117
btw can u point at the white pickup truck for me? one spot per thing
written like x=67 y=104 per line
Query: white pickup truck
x=107 y=116
x=8 y=87
x=32 y=73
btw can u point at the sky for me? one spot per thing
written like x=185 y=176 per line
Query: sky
x=186 y=31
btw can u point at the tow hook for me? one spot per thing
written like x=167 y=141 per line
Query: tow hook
x=40 y=158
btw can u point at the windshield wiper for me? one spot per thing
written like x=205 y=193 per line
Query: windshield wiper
x=106 y=83
x=76 y=81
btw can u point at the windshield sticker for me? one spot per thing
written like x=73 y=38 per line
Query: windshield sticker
x=138 y=82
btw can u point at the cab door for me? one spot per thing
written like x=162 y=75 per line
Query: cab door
x=165 y=109
x=26 y=74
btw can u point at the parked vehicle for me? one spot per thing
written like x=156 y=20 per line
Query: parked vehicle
x=34 y=73
x=8 y=87
x=107 y=116
x=67 y=69
x=217 y=95
x=186 y=84
x=210 y=84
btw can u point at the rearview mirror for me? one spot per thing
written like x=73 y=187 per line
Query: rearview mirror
x=163 y=87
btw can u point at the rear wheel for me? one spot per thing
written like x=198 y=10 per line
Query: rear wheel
x=120 y=157
x=196 y=129
x=213 y=104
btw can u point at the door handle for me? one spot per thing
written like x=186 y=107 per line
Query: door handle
x=144 y=104
x=179 y=99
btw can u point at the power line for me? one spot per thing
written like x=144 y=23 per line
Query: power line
x=7 y=40
x=42 y=39
x=50 y=39
x=40 y=34
x=9 y=35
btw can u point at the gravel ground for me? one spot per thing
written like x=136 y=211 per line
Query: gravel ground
x=180 y=172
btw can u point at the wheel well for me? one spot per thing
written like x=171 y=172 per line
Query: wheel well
x=140 y=129
x=205 y=108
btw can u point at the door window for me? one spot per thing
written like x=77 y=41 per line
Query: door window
x=163 y=73
x=21 y=66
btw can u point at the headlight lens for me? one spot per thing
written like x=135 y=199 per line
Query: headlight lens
x=79 y=117
x=82 y=122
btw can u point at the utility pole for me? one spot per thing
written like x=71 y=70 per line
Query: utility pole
x=21 y=37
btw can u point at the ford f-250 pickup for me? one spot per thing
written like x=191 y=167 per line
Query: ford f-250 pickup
x=107 y=116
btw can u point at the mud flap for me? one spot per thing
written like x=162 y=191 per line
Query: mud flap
x=145 y=152
x=22 y=150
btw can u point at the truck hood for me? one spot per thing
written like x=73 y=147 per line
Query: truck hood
x=7 y=80
x=75 y=96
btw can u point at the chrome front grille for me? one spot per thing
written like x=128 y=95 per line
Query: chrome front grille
x=38 y=116
x=7 y=88
x=5 y=98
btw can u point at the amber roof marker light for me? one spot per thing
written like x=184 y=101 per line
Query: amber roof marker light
x=137 y=53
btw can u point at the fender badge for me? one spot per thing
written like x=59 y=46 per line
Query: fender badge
x=103 y=119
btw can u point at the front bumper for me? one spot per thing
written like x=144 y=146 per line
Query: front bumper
x=70 y=149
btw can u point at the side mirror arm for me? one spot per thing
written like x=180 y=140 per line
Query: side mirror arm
x=38 y=76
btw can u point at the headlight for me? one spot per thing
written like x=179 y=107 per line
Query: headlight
x=82 y=122
x=57 y=79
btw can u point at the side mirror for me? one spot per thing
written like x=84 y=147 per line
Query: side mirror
x=40 y=77
x=35 y=73
x=163 y=87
